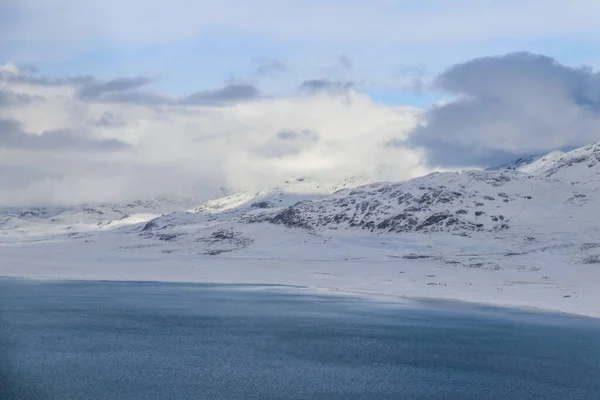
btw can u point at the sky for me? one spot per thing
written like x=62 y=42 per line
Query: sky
x=105 y=101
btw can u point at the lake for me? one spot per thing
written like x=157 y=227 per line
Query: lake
x=134 y=340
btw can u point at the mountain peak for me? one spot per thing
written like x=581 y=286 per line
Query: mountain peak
x=580 y=166
x=287 y=193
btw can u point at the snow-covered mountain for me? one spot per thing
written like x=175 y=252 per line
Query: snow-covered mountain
x=516 y=164
x=74 y=220
x=580 y=167
x=543 y=194
x=537 y=193
x=440 y=202
x=27 y=221
x=288 y=193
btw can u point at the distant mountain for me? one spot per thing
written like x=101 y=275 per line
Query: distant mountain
x=522 y=196
x=288 y=193
x=579 y=167
x=540 y=197
x=52 y=220
x=440 y=202
x=532 y=196
x=516 y=164
x=16 y=221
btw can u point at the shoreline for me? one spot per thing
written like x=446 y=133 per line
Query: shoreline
x=378 y=298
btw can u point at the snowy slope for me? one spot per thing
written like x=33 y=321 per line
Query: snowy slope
x=33 y=221
x=580 y=167
x=516 y=164
x=440 y=202
x=467 y=204
x=217 y=218
x=289 y=193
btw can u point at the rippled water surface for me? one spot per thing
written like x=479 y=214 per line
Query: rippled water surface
x=110 y=340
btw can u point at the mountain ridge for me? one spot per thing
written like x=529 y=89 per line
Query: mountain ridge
x=461 y=203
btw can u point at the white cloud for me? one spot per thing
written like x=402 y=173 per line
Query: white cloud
x=180 y=149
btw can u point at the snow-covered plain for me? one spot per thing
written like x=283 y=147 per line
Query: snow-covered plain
x=525 y=236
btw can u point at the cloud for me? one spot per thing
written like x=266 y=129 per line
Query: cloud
x=269 y=67
x=44 y=81
x=10 y=73
x=125 y=90
x=70 y=150
x=231 y=93
x=109 y=120
x=288 y=143
x=12 y=136
x=10 y=98
x=119 y=91
x=220 y=38
x=135 y=97
x=96 y=91
x=304 y=134
x=508 y=106
x=326 y=85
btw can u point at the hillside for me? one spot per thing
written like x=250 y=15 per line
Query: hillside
x=31 y=221
x=580 y=167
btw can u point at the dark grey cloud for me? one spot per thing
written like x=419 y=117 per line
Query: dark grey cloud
x=97 y=90
x=44 y=81
x=12 y=136
x=448 y=154
x=508 y=106
x=10 y=98
x=125 y=90
x=26 y=77
x=109 y=120
x=232 y=93
x=9 y=126
x=326 y=85
x=269 y=67
x=29 y=68
x=138 y=98
x=304 y=134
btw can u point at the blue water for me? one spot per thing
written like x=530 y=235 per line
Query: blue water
x=107 y=340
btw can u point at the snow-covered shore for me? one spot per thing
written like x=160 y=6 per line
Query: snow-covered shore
x=485 y=270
